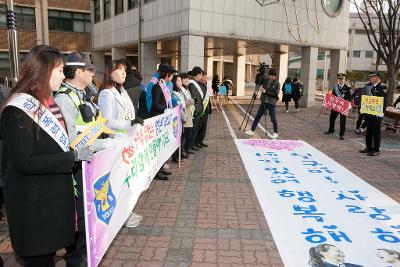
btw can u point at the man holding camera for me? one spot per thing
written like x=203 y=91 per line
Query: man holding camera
x=269 y=96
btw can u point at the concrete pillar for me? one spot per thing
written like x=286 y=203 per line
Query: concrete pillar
x=281 y=63
x=148 y=60
x=192 y=52
x=220 y=69
x=239 y=65
x=308 y=75
x=210 y=71
x=99 y=61
x=118 y=53
x=338 y=64
x=101 y=10
x=42 y=23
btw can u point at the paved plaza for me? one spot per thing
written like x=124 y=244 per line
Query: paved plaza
x=208 y=215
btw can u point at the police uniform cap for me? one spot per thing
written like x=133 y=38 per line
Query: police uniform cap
x=166 y=68
x=77 y=59
x=374 y=73
x=341 y=75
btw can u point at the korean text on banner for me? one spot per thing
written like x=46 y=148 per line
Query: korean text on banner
x=372 y=105
x=337 y=104
x=114 y=180
x=319 y=213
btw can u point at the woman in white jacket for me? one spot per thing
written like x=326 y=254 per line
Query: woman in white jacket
x=116 y=106
x=114 y=102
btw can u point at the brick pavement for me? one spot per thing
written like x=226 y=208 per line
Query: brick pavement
x=208 y=214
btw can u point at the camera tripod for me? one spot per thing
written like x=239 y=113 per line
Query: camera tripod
x=250 y=109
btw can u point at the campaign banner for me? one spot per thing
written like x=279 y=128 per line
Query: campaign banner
x=320 y=214
x=337 y=104
x=115 y=178
x=372 y=105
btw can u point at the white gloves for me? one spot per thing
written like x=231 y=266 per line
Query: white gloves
x=101 y=144
x=83 y=153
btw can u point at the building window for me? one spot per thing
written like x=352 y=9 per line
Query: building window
x=356 y=54
x=69 y=21
x=25 y=17
x=107 y=9
x=321 y=55
x=119 y=6
x=133 y=4
x=96 y=10
x=369 y=54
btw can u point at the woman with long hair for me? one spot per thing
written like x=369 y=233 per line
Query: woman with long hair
x=37 y=163
x=180 y=99
x=189 y=111
x=116 y=106
x=113 y=100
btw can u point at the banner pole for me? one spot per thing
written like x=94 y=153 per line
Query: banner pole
x=179 y=157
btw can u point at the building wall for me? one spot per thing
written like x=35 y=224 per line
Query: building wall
x=64 y=41
x=243 y=19
x=358 y=41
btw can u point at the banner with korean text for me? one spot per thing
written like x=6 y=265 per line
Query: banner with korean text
x=337 y=104
x=319 y=213
x=114 y=180
x=372 y=105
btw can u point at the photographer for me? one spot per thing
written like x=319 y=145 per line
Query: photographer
x=269 y=96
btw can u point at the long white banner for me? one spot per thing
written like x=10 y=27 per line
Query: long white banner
x=115 y=178
x=321 y=214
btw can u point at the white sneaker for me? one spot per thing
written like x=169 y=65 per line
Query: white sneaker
x=166 y=166
x=358 y=131
x=287 y=111
x=133 y=220
x=362 y=130
x=250 y=133
x=273 y=136
x=297 y=110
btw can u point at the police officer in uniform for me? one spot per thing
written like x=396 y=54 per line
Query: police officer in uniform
x=341 y=90
x=78 y=111
x=373 y=135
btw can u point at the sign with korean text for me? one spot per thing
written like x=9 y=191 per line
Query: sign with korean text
x=337 y=104
x=372 y=105
x=320 y=214
x=114 y=180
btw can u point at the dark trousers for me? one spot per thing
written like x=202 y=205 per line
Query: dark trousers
x=373 y=136
x=40 y=261
x=332 y=120
x=296 y=104
x=264 y=109
x=361 y=121
x=202 y=129
x=195 y=130
x=76 y=253
x=187 y=135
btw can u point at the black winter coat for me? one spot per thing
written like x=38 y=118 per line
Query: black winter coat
x=198 y=100
x=158 y=104
x=38 y=187
x=132 y=87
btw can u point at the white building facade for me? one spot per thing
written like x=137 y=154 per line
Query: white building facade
x=187 y=33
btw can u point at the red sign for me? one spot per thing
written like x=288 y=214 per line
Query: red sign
x=337 y=104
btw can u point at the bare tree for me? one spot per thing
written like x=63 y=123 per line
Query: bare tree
x=381 y=21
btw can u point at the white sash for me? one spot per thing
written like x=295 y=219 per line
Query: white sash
x=44 y=118
x=198 y=88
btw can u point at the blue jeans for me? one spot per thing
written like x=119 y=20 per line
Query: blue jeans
x=263 y=109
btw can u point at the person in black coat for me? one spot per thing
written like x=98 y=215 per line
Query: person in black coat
x=215 y=84
x=204 y=115
x=297 y=89
x=132 y=84
x=197 y=95
x=37 y=171
x=341 y=90
x=374 y=123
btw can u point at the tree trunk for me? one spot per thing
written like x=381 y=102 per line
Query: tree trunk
x=391 y=85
